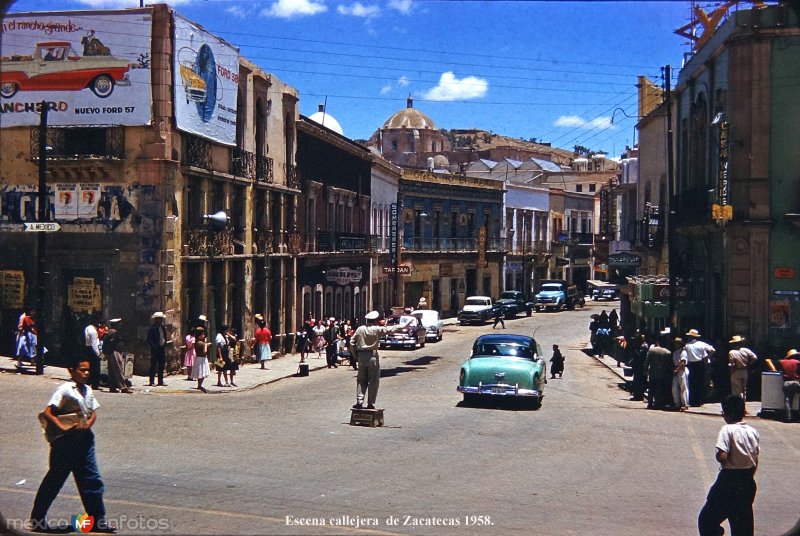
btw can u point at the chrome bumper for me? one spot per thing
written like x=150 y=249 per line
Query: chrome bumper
x=497 y=390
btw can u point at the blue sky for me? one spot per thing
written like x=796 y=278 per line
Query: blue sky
x=554 y=71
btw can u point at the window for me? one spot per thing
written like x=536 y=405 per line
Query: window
x=592 y=187
x=579 y=187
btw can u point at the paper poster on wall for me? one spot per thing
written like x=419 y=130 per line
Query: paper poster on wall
x=12 y=289
x=91 y=67
x=206 y=83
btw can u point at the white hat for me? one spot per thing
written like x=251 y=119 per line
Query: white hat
x=157 y=314
x=372 y=315
x=693 y=333
x=202 y=318
x=114 y=320
x=332 y=319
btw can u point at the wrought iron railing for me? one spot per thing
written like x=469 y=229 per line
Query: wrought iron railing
x=196 y=151
x=417 y=243
x=263 y=242
x=264 y=169
x=202 y=242
x=243 y=163
x=292 y=177
x=81 y=142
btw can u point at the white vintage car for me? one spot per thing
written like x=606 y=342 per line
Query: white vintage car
x=55 y=66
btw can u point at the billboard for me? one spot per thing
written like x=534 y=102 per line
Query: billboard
x=91 y=67
x=206 y=83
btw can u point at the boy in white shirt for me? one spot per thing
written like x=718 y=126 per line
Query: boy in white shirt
x=72 y=450
x=731 y=496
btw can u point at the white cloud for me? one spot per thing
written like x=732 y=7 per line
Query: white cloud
x=451 y=88
x=403 y=6
x=578 y=122
x=403 y=81
x=359 y=10
x=237 y=12
x=287 y=9
x=386 y=89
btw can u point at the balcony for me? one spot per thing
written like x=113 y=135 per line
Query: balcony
x=196 y=152
x=243 y=163
x=263 y=242
x=264 y=169
x=78 y=143
x=538 y=247
x=450 y=245
x=292 y=177
x=202 y=242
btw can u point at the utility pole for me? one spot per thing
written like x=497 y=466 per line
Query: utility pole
x=672 y=218
x=41 y=236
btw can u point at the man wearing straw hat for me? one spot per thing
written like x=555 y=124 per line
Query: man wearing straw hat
x=157 y=341
x=698 y=353
x=790 y=366
x=739 y=359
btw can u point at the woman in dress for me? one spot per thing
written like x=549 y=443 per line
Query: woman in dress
x=188 y=356
x=200 y=368
x=319 y=338
x=261 y=340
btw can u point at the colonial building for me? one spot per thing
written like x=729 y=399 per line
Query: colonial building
x=130 y=163
x=737 y=172
x=337 y=249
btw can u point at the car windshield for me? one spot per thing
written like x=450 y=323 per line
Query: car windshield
x=503 y=350
x=509 y=295
x=476 y=301
x=394 y=320
x=551 y=288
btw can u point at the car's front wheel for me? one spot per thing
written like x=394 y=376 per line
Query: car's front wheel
x=102 y=86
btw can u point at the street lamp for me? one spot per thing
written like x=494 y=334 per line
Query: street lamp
x=214 y=223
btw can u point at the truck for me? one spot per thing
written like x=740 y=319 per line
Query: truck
x=557 y=294
x=513 y=302
x=477 y=310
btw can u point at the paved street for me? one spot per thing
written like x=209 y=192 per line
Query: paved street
x=282 y=458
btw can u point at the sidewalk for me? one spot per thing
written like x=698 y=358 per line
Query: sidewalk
x=709 y=408
x=248 y=376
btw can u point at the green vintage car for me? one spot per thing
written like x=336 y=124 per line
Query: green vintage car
x=504 y=366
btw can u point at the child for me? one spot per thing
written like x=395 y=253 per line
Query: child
x=731 y=496
x=558 y=363
x=72 y=449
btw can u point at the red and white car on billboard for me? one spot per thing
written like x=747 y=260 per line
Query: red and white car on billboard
x=55 y=66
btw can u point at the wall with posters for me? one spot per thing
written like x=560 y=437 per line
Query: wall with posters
x=206 y=83
x=92 y=67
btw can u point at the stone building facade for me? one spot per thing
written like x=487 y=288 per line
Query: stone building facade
x=129 y=186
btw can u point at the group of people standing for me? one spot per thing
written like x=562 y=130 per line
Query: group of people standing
x=329 y=336
x=103 y=339
x=197 y=358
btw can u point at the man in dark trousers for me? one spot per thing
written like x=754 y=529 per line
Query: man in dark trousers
x=498 y=318
x=331 y=337
x=157 y=341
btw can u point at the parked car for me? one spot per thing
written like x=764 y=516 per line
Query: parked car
x=513 y=302
x=476 y=310
x=432 y=322
x=605 y=292
x=55 y=66
x=411 y=336
x=504 y=366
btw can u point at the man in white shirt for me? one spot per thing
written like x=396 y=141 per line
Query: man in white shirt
x=731 y=496
x=91 y=340
x=698 y=354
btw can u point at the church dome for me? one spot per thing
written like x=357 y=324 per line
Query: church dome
x=410 y=118
x=326 y=120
